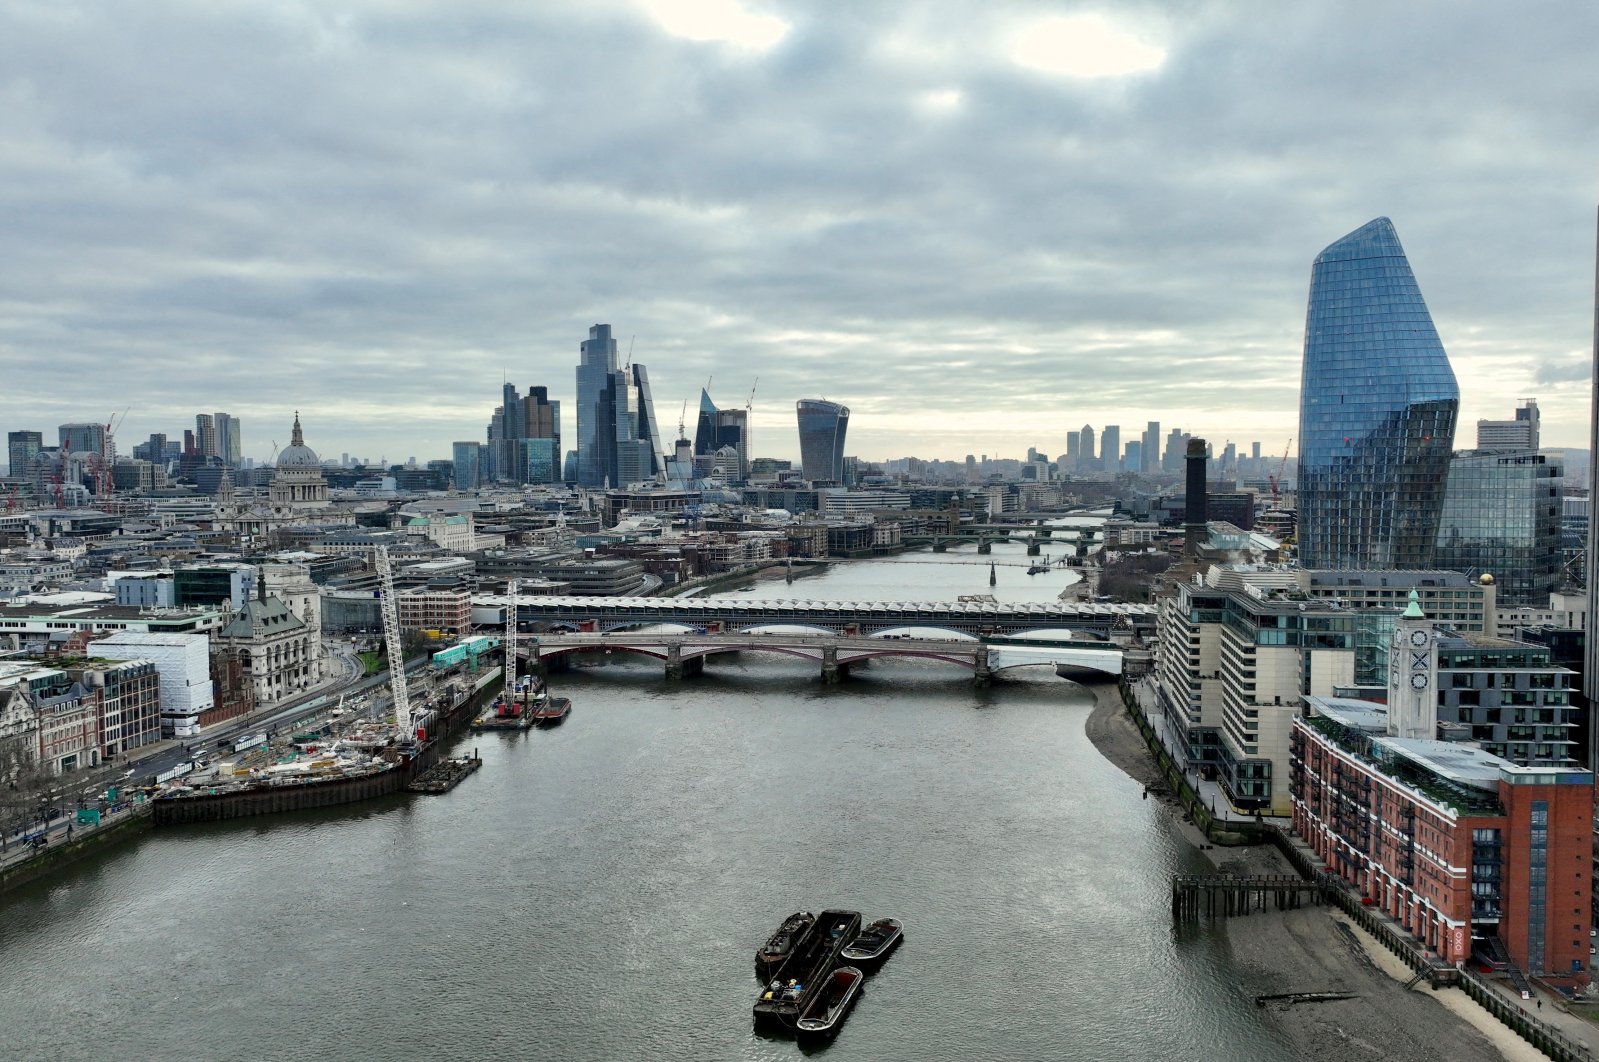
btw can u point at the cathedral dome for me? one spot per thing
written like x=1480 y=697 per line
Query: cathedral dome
x=297 y=454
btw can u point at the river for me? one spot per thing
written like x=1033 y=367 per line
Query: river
x=597 y=891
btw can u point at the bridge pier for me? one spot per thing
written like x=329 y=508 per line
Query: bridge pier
x=1032 y=547
x=677 y=667
x=985 y=546
x=940 y=545
x=981 y=674
x=832 y=670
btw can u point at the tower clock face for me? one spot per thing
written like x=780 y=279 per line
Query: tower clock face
x=1418 y=682
x=1418 y=637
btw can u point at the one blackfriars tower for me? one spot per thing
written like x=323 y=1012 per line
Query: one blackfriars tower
x=1377 y=410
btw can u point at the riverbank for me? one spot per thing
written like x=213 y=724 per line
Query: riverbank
x=1316 y=950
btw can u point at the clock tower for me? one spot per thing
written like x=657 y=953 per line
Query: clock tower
x=1413 y=675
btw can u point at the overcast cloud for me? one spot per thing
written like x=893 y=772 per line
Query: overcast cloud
x=375 y=211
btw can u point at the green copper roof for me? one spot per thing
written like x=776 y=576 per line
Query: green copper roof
x=1413 y=610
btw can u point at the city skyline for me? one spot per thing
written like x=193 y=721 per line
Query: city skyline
x=1010 y=241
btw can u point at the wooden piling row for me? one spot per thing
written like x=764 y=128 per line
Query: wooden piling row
x=1195 y=896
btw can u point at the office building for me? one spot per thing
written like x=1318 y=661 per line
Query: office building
x=205 y=435
x=618 y=439
x=1110 y=448
x=467 y=455
x=822 y=426
x=516 y=421
x=1501 y=517
x=1133 y=459
x=21 y=448
x=82 y=438
x=719 y=428
x=1590 y=670
x=1085 y=448
x=1150 y=454
x=1518 y=434
x=1378 y=403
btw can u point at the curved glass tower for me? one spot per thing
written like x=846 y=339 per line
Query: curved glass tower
x=1377 y=410
x=822 y=425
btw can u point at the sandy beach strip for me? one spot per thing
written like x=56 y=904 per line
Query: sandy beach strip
x=1316 y=950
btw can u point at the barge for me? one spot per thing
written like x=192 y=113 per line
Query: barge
x=807 y=971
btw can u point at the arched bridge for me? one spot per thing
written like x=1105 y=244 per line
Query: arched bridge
x=734 y=615
x=685 y=653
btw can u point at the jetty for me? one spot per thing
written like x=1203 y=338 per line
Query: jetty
x=445 y=775
x=1194 y=896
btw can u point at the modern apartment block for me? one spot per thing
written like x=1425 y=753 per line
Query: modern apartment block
x=1460 y=847
x=1502 y=517
x=1378 y=403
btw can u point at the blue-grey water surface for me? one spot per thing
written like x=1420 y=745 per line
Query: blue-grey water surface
x=597 y=891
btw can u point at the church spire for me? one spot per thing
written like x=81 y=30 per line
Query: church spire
x=298 y=438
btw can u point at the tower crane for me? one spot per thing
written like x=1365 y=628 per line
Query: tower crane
x=510 y=645
x=390 y=610
x=749 y=415
x=1276 y=478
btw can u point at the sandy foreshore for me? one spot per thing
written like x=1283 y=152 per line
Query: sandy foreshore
x=1317 y=950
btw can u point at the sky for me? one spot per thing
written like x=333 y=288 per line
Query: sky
x=979 y=225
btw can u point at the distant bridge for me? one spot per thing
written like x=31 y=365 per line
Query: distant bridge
x=740 y=615
x=685 y=654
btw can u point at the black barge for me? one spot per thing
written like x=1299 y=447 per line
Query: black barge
x=807 y=970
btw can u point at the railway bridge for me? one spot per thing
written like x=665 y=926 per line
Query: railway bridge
x=685 y=652
x=970 y=618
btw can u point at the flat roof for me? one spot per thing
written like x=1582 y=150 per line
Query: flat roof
x=1459 y=762
x=1352 y=712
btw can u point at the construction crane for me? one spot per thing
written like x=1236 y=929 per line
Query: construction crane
x=749 y=415
x=391 y=638
x=1276 y=478
x=510 y=644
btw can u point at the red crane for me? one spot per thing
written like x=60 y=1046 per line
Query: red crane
x=1276 y=478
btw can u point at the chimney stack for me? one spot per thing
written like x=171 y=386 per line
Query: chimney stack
x=1195 y=519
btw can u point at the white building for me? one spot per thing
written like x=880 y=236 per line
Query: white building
x=184 y=663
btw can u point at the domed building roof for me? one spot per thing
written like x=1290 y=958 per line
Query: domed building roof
x=297 y=454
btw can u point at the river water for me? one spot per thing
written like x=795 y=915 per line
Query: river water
x=597 y=891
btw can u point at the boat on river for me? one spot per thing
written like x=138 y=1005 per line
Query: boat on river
x=781 y=944
x=513 y=709
x=831 y=1005
x=875 y=942
x=548 y=711
x=805 y=973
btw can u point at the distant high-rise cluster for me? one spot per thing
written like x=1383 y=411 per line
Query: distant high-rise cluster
x=618 y=438
x=524 y=441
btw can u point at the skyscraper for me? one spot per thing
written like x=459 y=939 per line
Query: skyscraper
x=722 y=427
x=21 y=446
x=1149 y=456
x=1590 y=653
x=822 y=425
x=82 y=438
x=515 y=421
x=1501 y=515
x=1085 y=447
x=618 y=439
x=1110 y=448
x=596 y=363
x=1518 y=434
x=1377 y=409
x=205 y=435
x=466 y=455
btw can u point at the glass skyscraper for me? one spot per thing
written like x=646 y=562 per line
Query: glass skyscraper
x=1501 y=516
x=618 y=439
x=822 y=425
x=1377 y=410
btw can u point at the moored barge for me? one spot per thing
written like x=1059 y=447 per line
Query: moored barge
x=805 y=973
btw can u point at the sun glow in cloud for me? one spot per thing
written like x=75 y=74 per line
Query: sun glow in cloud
x=1086 y=45
x=716 y=20
x=941 y=101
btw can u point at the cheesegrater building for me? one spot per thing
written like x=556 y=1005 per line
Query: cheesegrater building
x=1378 y=403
